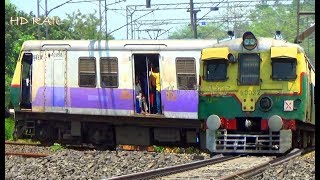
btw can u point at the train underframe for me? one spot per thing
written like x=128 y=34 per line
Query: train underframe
x=108 y=131
x=264 y=142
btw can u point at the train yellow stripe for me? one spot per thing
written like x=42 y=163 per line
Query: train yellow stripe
x=215 y=53
x=17 y=74
x=284 y=52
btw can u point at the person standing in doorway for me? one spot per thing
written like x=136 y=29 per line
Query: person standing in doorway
x=155 y=73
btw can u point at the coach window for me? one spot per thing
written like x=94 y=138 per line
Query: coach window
x=186 y=73
x=215 y=70
x=109 y=71
x=284 y=69
x=87 y=72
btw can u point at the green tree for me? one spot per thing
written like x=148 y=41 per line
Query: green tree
x=78 y=26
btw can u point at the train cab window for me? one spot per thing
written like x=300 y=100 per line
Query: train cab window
x=186 y=73
x=109 y=71
x=87 y=72
x=215 y=70
x=284 y=69
x=249 y=69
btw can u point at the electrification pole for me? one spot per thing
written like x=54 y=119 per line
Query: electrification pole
x=191 y=19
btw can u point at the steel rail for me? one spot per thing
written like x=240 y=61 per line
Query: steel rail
x=174 y=169
x=21 y=143
x=34 y=155
x=262 y=167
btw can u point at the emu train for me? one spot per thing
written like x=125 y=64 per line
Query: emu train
x=84 y=91
x=256 y=96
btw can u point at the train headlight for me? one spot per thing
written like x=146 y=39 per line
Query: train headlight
x=249 y=41
x=232 y=58
x=265 y=103
x=213 y=122
x=275 y=123
x=296 y=103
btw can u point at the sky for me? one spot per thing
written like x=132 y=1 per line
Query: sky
x=116 y=14
x=150 y=22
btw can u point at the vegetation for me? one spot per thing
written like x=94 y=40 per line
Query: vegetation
x=158 y=149
x=9 y=128
x=178 y=150
x=56 y=147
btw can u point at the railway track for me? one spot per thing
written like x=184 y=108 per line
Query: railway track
x=216 y=168
x=22 y=143
x=260 y=168
x=24 y=154
x=174 y=169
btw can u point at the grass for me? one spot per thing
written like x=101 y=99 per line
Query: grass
x=56 y=147
x=9 y=128
x=178 y=150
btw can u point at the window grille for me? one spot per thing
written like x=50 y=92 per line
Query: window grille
x=87 y=72
x=186 y=73
x=109 y=71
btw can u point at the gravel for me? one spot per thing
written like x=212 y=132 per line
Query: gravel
x=72 y=164
x=28 y=149
x=299 y=168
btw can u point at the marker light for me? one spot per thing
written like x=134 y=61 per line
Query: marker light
x=249 y=41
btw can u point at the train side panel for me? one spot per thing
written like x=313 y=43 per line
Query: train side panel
x=180 y=99
x=62 y=92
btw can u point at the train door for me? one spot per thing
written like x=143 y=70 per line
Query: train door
x=56 y=81
x=146 y=78
x=26 y=81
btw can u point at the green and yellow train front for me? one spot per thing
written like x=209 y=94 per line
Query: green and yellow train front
x=253 y=93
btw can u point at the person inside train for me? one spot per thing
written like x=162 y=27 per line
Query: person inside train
x=152 y=88
x=140 y=99
x=144 y=86
x=156 y=75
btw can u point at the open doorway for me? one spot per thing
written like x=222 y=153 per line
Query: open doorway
x=147 y=84
x=26 y=81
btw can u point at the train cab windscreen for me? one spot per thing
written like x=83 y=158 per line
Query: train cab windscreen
x=215 y=70
x=284 y=69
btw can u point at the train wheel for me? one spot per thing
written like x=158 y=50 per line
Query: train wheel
x=45 y=135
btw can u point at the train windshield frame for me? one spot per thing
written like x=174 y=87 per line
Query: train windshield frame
x=284 y=69
x=215 y=70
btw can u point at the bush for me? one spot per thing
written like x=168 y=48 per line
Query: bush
x=56 y=147
x=9 y=128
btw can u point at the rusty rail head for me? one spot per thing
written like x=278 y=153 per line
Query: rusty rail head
x=173 y=169
x=34 y=155
x=21 y=143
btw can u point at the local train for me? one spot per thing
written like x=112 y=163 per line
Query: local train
x=74 y=91
x=245 y=95
x=256 y=96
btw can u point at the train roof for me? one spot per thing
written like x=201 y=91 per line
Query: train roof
x=84 y=45
x=263 y=44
